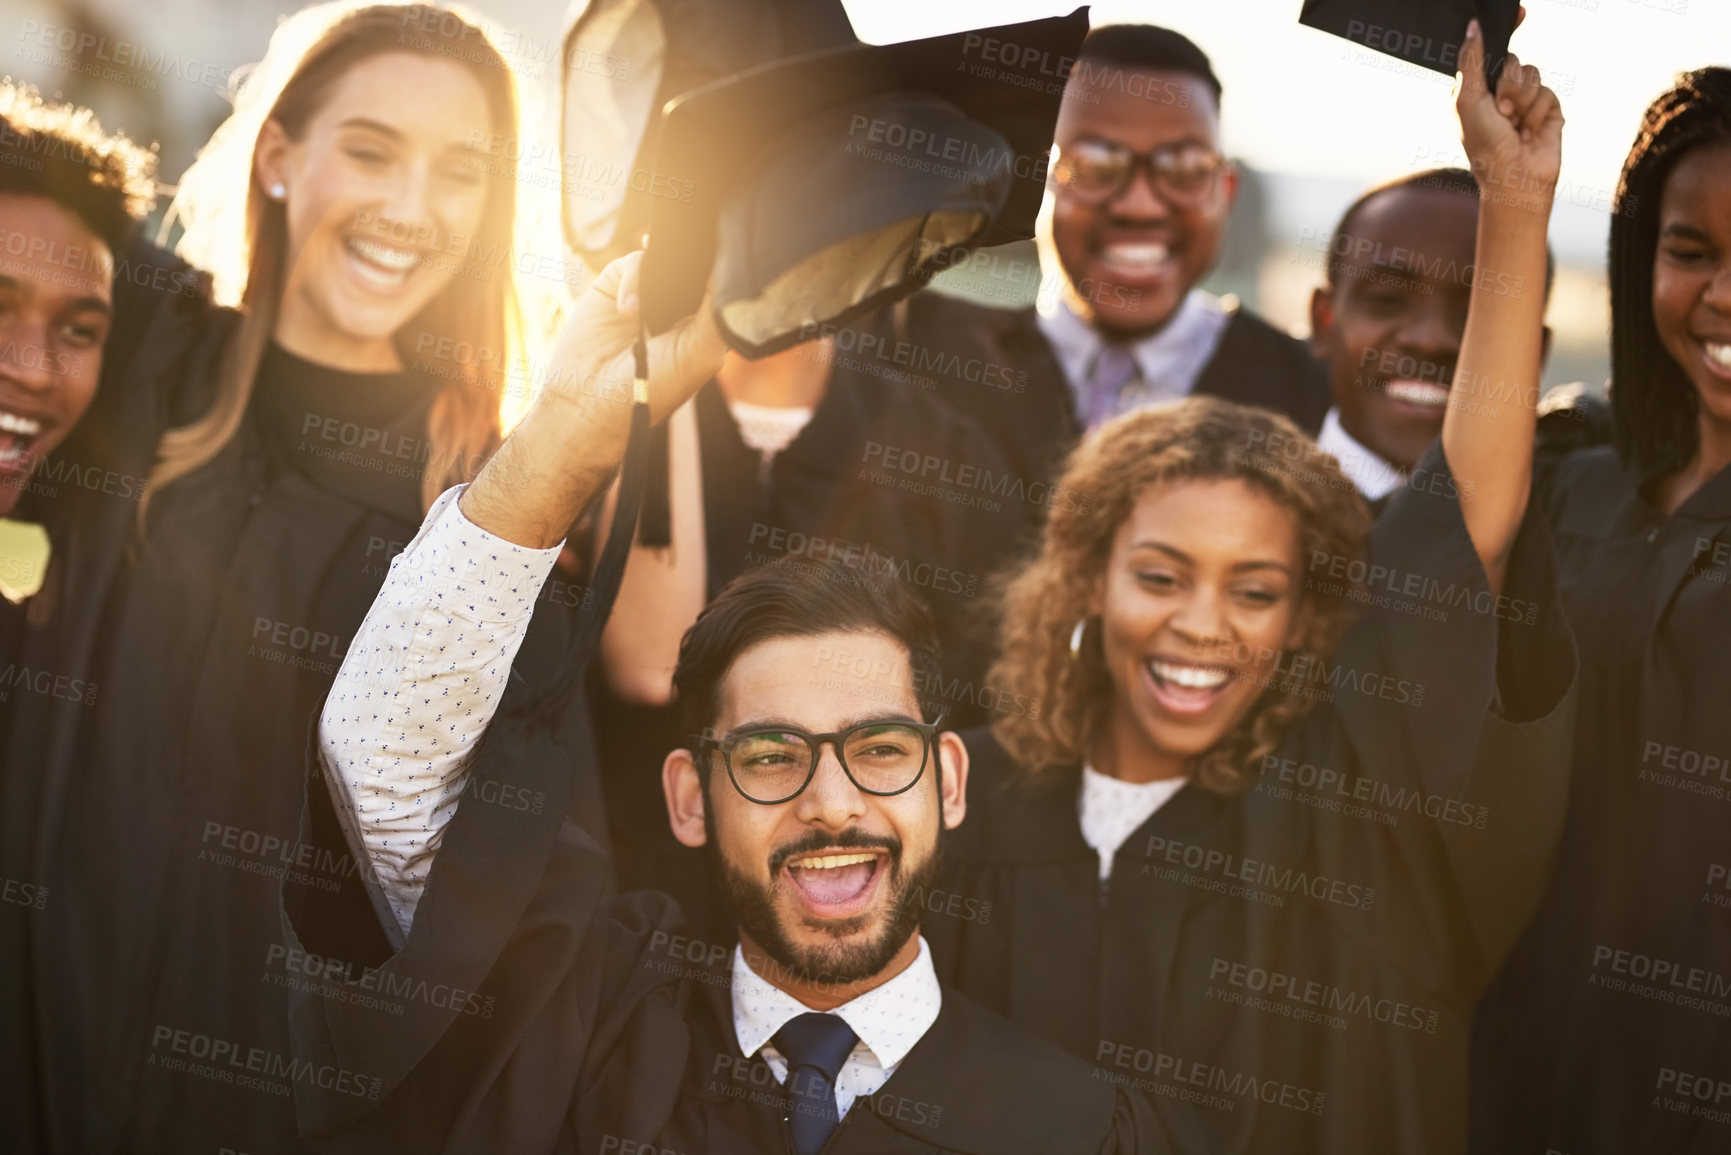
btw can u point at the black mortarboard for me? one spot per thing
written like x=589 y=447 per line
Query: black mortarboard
x=621 y=61
x=826 y=185
x=1427 y=33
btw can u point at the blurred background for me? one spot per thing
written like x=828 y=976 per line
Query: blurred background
x=1311 y=120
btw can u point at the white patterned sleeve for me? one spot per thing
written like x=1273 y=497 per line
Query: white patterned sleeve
x=417 y=689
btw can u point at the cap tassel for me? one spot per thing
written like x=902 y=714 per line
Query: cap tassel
x=610 y=566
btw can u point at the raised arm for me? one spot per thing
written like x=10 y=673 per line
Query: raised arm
x=566 y=448
x=1514 y=144
x=428 y=667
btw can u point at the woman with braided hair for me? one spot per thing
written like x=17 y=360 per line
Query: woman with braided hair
x=1607 y=1030
x=1278 y=789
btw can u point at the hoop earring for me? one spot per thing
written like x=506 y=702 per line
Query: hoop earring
x=1076 y=636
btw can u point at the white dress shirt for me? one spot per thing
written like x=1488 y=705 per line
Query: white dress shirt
x=1112 y=809
x=1374 y=477
x=417 y=688
x=415 y=693
x=888 y=1020
x=1171 y=361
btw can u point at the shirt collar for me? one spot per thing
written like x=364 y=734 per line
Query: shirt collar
x=1172 y=358
x=889 y=1019
x=1374 y=477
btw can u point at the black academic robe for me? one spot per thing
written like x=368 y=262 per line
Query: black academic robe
x=86 y=494
x=529 y=1012
x=160 y=807
x=996 y=366
x=835 y=495
x=1296 y=966
x=1609 y=1029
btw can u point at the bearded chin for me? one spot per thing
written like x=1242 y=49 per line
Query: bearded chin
x=838 y=962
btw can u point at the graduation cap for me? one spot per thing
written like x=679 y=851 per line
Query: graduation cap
x=827 y=185
x=1427 y=33
x=805 y=191
x=622 y=61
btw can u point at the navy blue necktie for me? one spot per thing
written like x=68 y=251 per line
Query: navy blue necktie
x=816 y=1046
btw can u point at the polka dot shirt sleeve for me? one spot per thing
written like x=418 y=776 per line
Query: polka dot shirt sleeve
x=418 y=687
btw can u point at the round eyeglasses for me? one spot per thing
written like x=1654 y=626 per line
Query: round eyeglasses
x=772 y=764
x=1096 y=171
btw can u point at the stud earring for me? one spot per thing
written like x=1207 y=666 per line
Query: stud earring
x=277 y=191
x=1076 y=639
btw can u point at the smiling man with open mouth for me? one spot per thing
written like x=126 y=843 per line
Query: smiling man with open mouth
x=1388 y=323
x=70 y=199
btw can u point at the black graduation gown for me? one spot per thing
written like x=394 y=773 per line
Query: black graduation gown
x=529 y=1012
x=166 y=811
x=1297 y=965
x=996 y=366
x=1609 y=1029
x=833 y=495
x=86 y=494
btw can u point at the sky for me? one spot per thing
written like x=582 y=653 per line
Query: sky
x=1606 y=59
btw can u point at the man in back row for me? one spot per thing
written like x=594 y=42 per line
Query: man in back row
x=1140 y=193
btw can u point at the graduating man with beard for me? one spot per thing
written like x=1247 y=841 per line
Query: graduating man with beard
x=523 y=1009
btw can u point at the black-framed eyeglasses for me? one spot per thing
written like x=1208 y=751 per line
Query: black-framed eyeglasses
x=1096 y=171
x=772 y=764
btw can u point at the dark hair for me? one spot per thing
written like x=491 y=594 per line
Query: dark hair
x=795 y=597
x=1457 y=181
x=1149 y=48
x=1653 y=402
x=60 y=152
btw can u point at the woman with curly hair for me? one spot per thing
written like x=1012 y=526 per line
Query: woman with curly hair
x=1286 y=785
x=1610 y=1027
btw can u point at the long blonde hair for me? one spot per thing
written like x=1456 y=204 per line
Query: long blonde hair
x=240 y=235
x=1193 y=440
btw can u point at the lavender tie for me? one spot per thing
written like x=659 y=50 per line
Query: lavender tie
x=1113 y=368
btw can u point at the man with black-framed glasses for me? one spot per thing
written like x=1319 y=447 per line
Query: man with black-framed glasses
x=523 y=1009
x=1139 y=195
